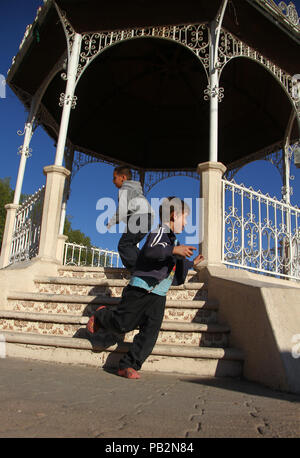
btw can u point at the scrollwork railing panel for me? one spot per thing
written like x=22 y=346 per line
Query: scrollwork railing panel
x=260 y=233
x=26 y=237
x=80 y=255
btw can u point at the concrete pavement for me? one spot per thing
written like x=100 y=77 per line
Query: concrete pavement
x=40 y=399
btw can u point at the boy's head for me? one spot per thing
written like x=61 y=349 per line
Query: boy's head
x=173 y=212
x=120 y=175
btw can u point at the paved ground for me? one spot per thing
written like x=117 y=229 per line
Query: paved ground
x=40 y=399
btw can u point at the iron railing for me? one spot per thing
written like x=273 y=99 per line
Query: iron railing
x=79 y=255
x=26 y=236
x=260 y=233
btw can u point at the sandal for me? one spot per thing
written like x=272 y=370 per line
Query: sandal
x=128 y=372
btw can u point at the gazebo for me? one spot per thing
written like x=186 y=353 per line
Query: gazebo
x=196 y=88
x=161 y=88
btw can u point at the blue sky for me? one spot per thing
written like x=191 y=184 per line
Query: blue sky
x=95 y=180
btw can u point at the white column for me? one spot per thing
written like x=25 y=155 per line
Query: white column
x=287 y=159
x=25 y=152
x=211 y=192
x=51 y=244
x=214 y=89
x=214 y=100
x=69 y=158
x=68 y=99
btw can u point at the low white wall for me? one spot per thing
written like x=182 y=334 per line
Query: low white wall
x=264 y=317
x=19 y=277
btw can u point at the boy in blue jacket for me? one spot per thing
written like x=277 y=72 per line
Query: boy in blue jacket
x=161 y=263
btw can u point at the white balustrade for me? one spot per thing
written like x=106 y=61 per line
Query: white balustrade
x=79 y=255
x=26 y=236
x=260 y=233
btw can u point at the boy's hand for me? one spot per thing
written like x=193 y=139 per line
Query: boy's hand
x=198 y=259
x=184 y=250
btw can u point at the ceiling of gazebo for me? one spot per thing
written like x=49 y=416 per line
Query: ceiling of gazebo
x=142 y=101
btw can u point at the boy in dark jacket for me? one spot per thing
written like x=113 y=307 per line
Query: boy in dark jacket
x=161 y=263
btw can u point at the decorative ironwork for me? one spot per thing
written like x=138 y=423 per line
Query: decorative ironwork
x=25 y=243
x=231 y=47
x=65 y=100
x=84 y=158
x=80 y=255
x=276 y=156
x=260 y=233
x=214 y=92
x=154 y=177
x=194 y=36
x=149 y=178
x=272 y=154
x=68 y=29
x=282 y=10
x=25 y=150
x=290 y=12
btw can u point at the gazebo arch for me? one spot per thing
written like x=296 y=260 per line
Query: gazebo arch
x=193 y=37
x=279 y=86
x=252 y=85
x=233 y=48
x=130 y=112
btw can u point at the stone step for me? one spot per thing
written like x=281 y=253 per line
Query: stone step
x=104 y=272
x=112 y=287
x=177 y=310
x=201 y=361
x=172 y=332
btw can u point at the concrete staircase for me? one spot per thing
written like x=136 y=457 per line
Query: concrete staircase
x=49 y=324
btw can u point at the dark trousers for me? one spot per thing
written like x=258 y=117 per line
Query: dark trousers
x=137 y=309
x=137 y=227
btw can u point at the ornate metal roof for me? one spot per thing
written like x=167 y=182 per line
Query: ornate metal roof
x=142 y=101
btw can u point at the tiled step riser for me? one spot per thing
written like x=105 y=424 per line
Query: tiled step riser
x=154 y=363
x=114 y=274
x=190 y=315
x=116 y=291
x=171 y=313
x=209 y=339
x=90 y=275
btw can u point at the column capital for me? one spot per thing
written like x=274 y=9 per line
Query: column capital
x=210 y=165
x=56 y=169
x=12 y=206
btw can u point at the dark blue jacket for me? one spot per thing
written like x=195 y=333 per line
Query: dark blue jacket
x=156 y=258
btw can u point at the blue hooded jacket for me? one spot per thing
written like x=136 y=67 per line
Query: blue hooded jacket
x=156 y=259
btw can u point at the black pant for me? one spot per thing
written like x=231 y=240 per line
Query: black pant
x=137 y=227
x=137 y=309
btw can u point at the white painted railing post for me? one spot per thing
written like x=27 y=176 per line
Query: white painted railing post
x=11 y=210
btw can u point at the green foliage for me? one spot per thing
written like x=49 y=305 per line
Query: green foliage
x=86 y=256
x=76 y=236
x=6 y=197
